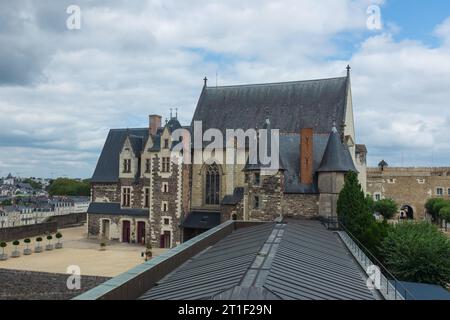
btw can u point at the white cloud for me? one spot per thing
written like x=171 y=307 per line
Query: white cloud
x=131 y=60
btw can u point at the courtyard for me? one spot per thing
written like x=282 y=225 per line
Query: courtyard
x=78 y=251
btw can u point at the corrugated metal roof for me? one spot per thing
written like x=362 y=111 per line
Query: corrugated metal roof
x=298 y=260
x=217 y=269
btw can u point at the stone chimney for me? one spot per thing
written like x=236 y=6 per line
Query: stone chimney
x=306 y=156
x=154 y=123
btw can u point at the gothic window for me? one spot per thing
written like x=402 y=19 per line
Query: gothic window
x=166 y=143
x=147 y=165
x=212 y=185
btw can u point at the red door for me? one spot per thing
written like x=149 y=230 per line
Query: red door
x=126 y=231
x=165 y=240
x=141 y=232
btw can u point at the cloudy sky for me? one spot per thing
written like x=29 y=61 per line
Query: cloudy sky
x=61 y=90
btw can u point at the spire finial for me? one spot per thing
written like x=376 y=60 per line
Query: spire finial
x=333 y=128
x=348 y=70
x=170 y=113
x=176 y=113
x=206 y=81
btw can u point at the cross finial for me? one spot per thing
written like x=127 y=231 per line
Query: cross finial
x=206 y=81
x=348 y=69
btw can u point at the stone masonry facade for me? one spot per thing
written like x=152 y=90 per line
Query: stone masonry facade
x=409 y=186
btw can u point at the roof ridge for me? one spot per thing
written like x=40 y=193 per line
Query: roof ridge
x=274 y=83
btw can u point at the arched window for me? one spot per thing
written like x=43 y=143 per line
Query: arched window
x=212 y=185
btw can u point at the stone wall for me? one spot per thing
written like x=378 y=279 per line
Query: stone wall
x=95 y=223
x=270 y=193
x=300 y=205
x=27 y=231
x=409 y=186
x=68 y=220
x=172 y=199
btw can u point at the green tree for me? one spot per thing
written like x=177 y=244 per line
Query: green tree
x=444 y=214
x=417 y=252
x=352 y=207
x=386 y=207
x=434 y=205
x=35 y=185
x=69 y=187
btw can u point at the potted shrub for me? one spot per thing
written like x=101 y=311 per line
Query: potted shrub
x=38 y=248
x=16 y=252
x=3 y=256
x=59 y=244
x=102 y=246
x=49 y=246
x=148 y=252
x=27 y=251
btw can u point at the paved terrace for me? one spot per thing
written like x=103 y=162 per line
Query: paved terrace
x=299 y=260
x=80 y=251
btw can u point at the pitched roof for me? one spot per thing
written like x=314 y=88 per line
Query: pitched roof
x=289 y=105
x=298 y=260
x=107 y=169
x=201 y=220
x=337 y=157
x=235 y=198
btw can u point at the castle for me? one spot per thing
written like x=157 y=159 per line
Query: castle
x=141 y=195
x=409 y=187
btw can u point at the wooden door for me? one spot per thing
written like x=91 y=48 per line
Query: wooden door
x=126 y=231
x=141 y=232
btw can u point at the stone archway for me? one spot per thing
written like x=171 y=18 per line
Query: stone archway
x=408 y=212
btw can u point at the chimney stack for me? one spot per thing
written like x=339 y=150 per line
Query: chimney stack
x=154 y=123
x=306 y=156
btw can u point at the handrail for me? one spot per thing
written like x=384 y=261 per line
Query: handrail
x=391 y=289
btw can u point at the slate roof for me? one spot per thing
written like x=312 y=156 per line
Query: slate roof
x=107 y=169
x=337 y=157
x=235 y=198
x=290 y=106
x=298 y=260
x=201 y=220
x=111 y=208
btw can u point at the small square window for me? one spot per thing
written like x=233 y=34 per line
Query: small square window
x=440 y=191
x=377 y=197
x=166 y=221
x=448 y=191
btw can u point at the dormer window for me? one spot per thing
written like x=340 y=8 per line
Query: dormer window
x=127 y=166
x=166 y=143
x=148 y=165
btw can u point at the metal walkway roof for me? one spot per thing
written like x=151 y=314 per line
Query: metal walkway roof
x=298 y=260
